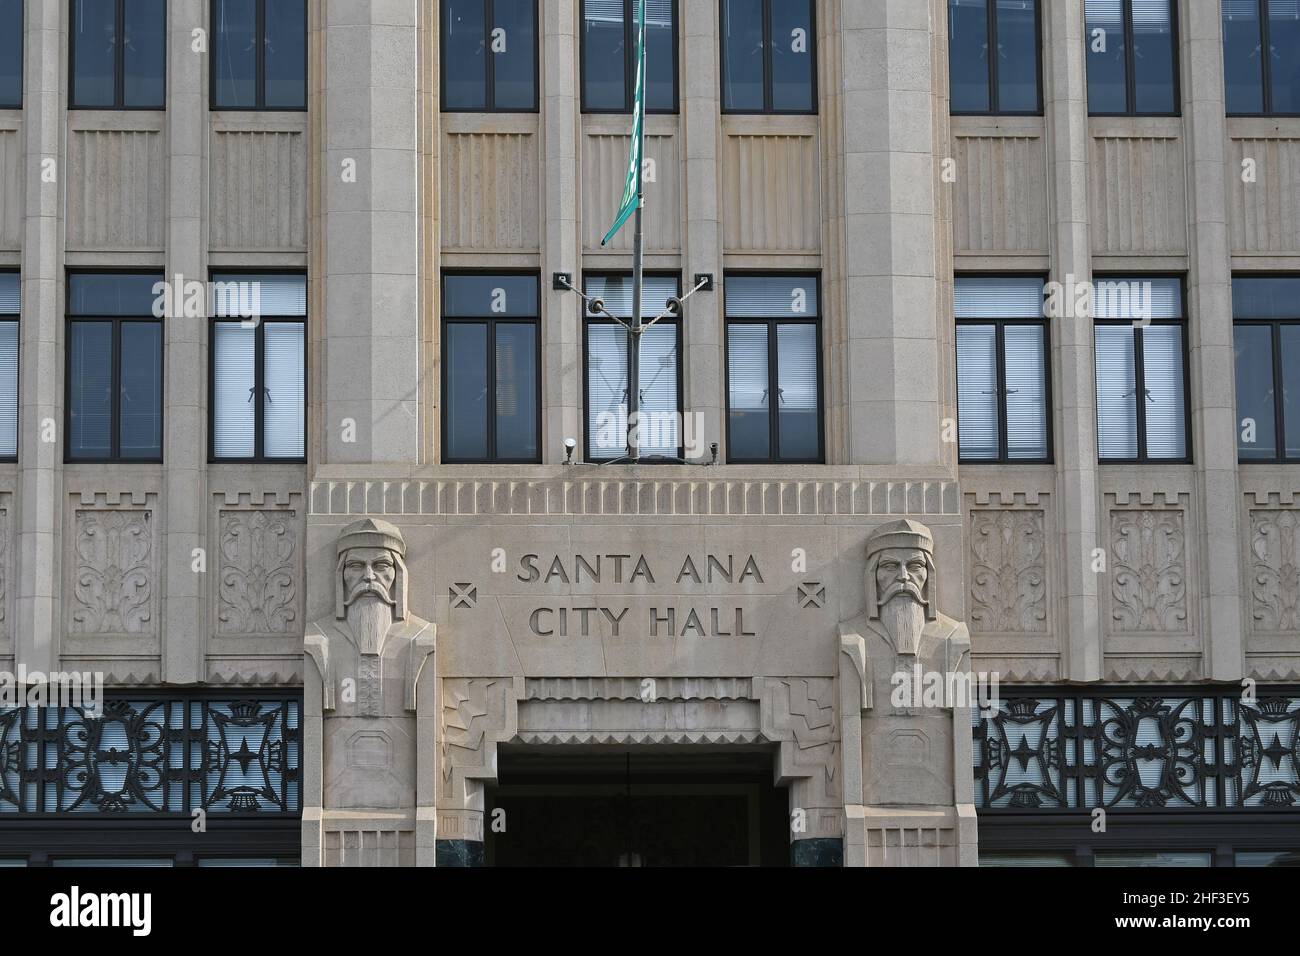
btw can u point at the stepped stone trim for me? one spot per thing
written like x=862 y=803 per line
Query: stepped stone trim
x=631 y=688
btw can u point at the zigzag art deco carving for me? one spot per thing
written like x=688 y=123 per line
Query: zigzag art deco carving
x=1008 y=571
x=259 y=592
x=1148 y=574
x=113 y=574
x=1275 y=570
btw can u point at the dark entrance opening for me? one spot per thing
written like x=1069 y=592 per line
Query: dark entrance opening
x=636 y=807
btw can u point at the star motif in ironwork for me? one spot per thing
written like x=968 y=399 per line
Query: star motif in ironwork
x=243 y=756
x=1024 y=753
x=1277 y=752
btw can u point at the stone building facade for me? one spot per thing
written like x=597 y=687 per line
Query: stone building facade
x=673 y=643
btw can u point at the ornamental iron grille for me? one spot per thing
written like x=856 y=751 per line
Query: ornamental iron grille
x=157 y=757
x=1081 y=750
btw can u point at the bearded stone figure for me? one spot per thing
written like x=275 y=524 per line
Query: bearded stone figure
x=907 y=644
x=369 y=658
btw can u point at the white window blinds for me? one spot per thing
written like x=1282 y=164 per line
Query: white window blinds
x=284 y=391
x=234 y=385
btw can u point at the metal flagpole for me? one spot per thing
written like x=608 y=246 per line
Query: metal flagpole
x=638 y=257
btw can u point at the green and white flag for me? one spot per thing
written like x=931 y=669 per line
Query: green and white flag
x=632 y=191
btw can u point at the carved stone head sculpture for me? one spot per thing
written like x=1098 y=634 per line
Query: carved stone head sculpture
x=370 y=588
x=900 y=581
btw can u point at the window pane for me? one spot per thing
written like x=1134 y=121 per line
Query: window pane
x=516 y=405
x=464 y=52
x=234 y=410
x=796 y=371
x=661 y=82
x=1107 y=57
x=465 y=371
x=1137 y=298
x=1253 y=345
x=145 y=54
x=1153 y=56
x=1166 y=408
x=11 y=52
x=482 y=296
x=9 y=389
x=968 y=59
x=1268 y=858
x=660 y=431
x=94 y=50
x=90 y=390
x=1026 y=384
x=977 y=392
x=1290 y=335
x=1017 y=56
x=1153 y=858
x=110 y=294
x=792 y=55
x=742 y=55
x=616 y=291
x=10 y=293
x=1242 y=64
x=1116 y=388
x=1284 y=40
x=1007 y=297
x=515 y=66
x=284 y=414
x=234 y=48
x=1266 y=298
x=606 y=390
x=141 y=395
x=605 y=55
x=286 y=54
x=258 y=296
x=749 y=429
x=771 y=296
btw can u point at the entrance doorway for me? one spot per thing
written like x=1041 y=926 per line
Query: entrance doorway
x=636 y=807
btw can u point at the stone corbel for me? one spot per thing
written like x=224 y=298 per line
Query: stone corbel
x=422 y=647
x=317 y=648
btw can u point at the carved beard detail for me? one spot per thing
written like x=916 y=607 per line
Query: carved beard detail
x=903 y=619
x=369 y=618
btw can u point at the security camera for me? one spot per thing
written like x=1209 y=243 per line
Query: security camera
x=569 y=445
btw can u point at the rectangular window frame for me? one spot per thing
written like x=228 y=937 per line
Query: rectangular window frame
x=773 y=369
x=22 y=64
x=1139 y=373
x=588 y=321
x=489 y=17
x=259 y=377
x=1130 y=81
x=115 y=411
x=994 y=96
x=1279 y=400
x=1266 y=68
x=259 y=82
x=629 y=64
x=119 y=66
x=1000 y=325
x=768 y=109
x=18 y=406
x=491 y=321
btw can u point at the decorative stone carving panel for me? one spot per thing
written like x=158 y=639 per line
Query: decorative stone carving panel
x=1148 y=553
x=1275 y=570
x=259 y=576
x=113 y=573
x=1008 y=571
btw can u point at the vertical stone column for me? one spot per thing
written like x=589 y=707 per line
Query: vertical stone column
x=1214 y=422
x=370 y=195
x=703 y=236
x=561 y=244
x=40 y=477
x=1066 y=95
x=184 y=443
x=891 y=396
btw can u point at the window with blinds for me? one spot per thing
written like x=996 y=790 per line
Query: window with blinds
x=491 y=384
x=1002 y=370
x=1266 y=335
x=659 y=367
x=1140 y=341
x=1132 y=58
x=1008 y=83
x=10 y=303
x=259 y=368
x=114 y=368
x=608 y=56
x=774 y=408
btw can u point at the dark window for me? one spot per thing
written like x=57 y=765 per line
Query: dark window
x=491 y=383
x=119 y=54
x=1007 y=82
x=1132 y=64
x=259 y=54
x=1002 y=378
x=11 y=54
x=609 y=56
x=608 y=351
x=1140 y=339
x=1261 y=57
x=489 y=55
x=774 y=411
x=10 y=298
x=115 y=370
x=769 y=56
x=1266 y=335
x=259 y=368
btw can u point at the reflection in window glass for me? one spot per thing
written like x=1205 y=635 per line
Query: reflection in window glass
x=1017 y=68
x=144 y=55
x=11 y=53
x=968 y=56
x=1256 y=424
x=464 y=55
x=1268 y=858
x=743 y=55
x=1155 y=65
x=1284 y=59
x=234 y=53
x=286 y=54
x=1006 y=82
x=1266 y=336
x=94 y=53
x=768 y=56
x=1261 y=56
x=465 y=372
x=90 y=391
x=514 y=61
x=141 y=390
x=1151 y=858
